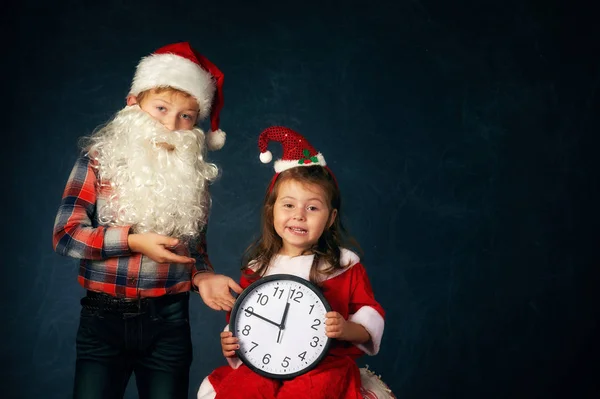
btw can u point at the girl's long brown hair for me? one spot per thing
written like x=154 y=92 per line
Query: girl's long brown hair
x=262 y=251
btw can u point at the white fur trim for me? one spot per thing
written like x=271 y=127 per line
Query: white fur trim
x=348 y=257
x=300 y=265
x=206 y=390
x=215 y=140
x=158 y=70
x=266 y=157
x=372 y=321
x=281 y=165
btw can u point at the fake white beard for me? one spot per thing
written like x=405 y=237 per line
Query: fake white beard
x=149 y=187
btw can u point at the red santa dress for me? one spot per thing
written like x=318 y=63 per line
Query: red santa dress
x=337 y=375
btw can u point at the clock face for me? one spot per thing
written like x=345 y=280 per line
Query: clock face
x=280 y=323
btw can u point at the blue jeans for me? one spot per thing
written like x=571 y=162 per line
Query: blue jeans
x=153 y=342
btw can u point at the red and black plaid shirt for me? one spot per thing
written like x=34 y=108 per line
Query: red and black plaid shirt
x=107 y=265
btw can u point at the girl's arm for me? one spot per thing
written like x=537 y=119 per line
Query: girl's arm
x=365 y=311
x=339 y=328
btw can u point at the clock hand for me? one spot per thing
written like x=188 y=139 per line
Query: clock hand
x=261 y=317
x=285 y=312
x=287 y=307
x=282 y=327
x=283 y=318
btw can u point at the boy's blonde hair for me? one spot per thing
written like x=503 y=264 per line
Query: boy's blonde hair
x=162 y=89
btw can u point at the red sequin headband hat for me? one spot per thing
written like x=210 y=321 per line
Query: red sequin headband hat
x=297 y=151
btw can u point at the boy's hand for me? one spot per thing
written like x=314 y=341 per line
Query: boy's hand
x=214 y=290
x=155 y=246
x=229 y=344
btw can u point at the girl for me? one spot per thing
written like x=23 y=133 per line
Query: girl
x=302 y=234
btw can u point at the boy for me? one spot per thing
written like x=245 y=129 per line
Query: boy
x=135 y=211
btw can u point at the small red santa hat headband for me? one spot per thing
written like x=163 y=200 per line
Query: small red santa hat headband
x=181 y=67
x=297 y=151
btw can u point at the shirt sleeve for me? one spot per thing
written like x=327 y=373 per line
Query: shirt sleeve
x=199 y=252
x=76 y=234
x=198 y=248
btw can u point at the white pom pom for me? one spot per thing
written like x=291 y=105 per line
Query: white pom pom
x=266 y=157
x=215 y=140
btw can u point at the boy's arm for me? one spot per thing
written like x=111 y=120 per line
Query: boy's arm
x=215 y=289
x=199 y=252
x=198 y=249
x=74 y=233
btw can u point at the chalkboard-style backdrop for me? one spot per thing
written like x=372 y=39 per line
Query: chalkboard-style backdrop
x=461 y=135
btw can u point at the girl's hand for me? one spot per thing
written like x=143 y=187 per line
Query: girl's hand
x=338 y=327
x=229 y=344
x=335 y=325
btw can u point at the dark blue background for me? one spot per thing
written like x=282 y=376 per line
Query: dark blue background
x=461 y=133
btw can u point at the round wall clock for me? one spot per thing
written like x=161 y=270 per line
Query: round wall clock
x=280 y=323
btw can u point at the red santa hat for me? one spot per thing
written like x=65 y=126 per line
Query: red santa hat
x=297 y=151
x=181 y=67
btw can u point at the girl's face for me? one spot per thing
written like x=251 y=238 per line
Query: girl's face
x=300 y=215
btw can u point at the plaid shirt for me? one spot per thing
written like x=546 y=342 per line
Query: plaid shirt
x=107 y=265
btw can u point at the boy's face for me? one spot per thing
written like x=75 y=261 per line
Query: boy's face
x=172 y=109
